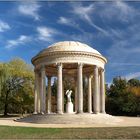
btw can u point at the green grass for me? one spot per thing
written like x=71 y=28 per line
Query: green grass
x=69 y=133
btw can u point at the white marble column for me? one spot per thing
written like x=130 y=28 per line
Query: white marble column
x=76 y=99
x=89 y=95
x=96 y=101
x=43 y=90
x=39 y=93
x=80 y=88
x=36 y=93
x=49 y=96
x=63 y=95
x=59 y=89
x=99 y=91
x=102 y=91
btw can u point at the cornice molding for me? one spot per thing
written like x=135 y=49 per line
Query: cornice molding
x=68 y=54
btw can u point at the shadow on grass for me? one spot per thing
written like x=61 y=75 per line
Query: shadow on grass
x=12 y=115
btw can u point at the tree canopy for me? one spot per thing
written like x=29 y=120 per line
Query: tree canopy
x=123 y=97
x=16 y=86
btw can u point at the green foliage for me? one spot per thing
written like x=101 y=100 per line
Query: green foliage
x=122 y=98
x=16 y=87
x=134 y=82
x=54 y=87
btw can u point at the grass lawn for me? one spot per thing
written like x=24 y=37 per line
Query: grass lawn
x=69 y=133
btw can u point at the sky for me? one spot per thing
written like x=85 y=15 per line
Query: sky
x=112 y=28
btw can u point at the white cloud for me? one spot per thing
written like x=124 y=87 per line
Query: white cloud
x=123 y=53
x=123 y=7
x=64 y=20
x=85 y=12
x=45 y=33
x=70 y=22
x=83 y=36
x=4 y=26
x=19 y=41
x=30 y=9
x=132 y=75
x=127 y=44
x=118 y=9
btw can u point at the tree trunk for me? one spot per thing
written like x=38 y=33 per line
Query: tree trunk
x=6 y=104
x=5 y=109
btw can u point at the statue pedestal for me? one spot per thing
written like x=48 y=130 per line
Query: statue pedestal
x=69 y=107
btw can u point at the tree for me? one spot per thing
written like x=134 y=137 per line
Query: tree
x=122 y=97
x=134 y=82
x=16 y=84
x=4 y=74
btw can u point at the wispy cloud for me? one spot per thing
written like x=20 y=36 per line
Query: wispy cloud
x=126 y=46
x=4 y=26
x=30 y=9
x=118 y=9
x=69 y=22
x=64 y=20
x=124 y=64
x=19 y=41
x=85 y=37
x=132 y=75
x=123 y=53
x=125 y=9
x=46 y=33
x=84 y=12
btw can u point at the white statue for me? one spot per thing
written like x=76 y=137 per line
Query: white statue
x=69 y=105
x=68 y=93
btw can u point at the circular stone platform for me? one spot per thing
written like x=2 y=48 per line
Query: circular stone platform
x=77 y=119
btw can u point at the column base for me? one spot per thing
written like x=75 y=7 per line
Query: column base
x=96 y=112
x=60 y=112
x=80 y=112
x=35 y=113
x=75 y=111
x=90 y=112
x=49 y=112
x=42 y=113
x=103 y=112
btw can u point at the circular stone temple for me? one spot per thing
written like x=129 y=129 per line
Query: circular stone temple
x=70 y=59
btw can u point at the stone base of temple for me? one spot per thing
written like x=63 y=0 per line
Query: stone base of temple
x=84 y=118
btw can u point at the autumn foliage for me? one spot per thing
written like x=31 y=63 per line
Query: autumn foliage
x=123 y=97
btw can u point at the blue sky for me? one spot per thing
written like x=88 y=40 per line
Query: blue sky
x=113 y=28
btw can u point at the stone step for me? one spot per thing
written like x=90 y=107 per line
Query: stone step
x=84 y=118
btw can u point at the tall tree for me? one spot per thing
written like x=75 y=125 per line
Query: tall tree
x=14 y=85
x=123 y=97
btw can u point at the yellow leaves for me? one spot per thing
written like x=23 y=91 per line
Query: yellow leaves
x=19 y=68
x=134 y=90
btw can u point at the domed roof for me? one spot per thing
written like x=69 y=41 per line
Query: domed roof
x=69 y=46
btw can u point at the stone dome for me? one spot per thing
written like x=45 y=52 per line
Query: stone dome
x=69 y=52
x=69 y=46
